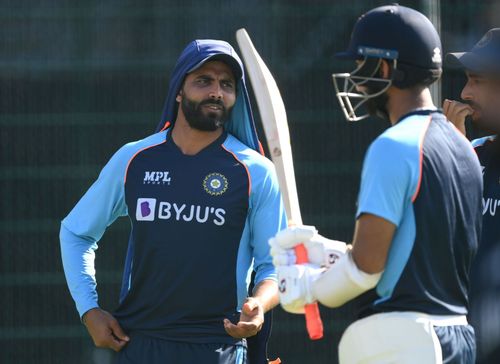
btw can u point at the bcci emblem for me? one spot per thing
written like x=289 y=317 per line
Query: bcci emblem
x=215 y=184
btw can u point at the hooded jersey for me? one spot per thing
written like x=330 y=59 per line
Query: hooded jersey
x=241 y=123
x=423 y=176
x=199 y=225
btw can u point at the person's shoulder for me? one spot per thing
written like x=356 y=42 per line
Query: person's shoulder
x=122 y=156
x=149 y=141
x=129 y=150
x=480 y=142
x=248 y=156
x=395 y=140
x=402 y=138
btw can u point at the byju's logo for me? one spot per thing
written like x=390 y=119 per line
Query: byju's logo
x=156 y=178
x=490 y=206
x=149 y=209
x=145 y=209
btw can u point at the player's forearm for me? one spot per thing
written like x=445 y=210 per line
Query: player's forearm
x=77 y=256
x=267 y=294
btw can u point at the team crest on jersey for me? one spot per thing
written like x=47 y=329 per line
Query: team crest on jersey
x=215 y=184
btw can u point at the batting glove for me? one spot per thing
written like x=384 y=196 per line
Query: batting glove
x=321 y=251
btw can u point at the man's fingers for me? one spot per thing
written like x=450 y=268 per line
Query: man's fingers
x=456 y=112
x=446 y=106
x=118 y=331
x=232 y=329
x=250 y=305
x=241 y=330
x=116 y=344
x=294 y=235
x=454 y=108
x=465 y=111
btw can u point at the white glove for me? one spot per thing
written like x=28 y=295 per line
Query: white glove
x=295 y=283
x=321 y=251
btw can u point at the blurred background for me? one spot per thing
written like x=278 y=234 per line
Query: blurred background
x=78 y=79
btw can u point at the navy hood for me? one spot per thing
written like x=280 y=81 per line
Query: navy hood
x=241 y=123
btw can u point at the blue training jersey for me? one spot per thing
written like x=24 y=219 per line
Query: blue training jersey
x=423 y=176
x=485 y=282
x=199 y=226
x=488 y=151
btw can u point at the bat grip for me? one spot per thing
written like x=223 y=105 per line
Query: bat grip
x=313 y=319
x=301 y=254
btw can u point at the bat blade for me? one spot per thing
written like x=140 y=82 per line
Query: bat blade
x=273 y=116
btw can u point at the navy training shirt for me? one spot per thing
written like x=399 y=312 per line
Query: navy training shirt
x=488 y=151
x=423 y=176
x=485 y=277
x=199 y=226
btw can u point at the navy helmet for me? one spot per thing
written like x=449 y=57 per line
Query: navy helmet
x=402 y=36
x=484 y=57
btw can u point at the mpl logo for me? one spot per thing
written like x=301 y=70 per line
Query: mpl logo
x=156 y=178
x=145 y=210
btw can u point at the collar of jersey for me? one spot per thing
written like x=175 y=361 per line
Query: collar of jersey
x=212 y=146
x=422 y=111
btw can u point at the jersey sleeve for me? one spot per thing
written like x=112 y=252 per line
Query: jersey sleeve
x=482 y=141
x=267 y=217
x=391 y=171
x=85 y=225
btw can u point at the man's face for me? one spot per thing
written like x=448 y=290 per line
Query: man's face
x=373 y=67
x=482 y=93
x=208 y=96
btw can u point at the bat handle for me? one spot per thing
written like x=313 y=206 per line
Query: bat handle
x=313 y=319
x=301 y=254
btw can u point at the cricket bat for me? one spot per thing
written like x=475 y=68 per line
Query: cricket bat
x=273 y=115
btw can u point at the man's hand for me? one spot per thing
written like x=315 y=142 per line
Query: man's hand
x=105 y=330
x=295 y=286
x=251 y=320
x=295 y=281
x=321 y=251
x=456 y=112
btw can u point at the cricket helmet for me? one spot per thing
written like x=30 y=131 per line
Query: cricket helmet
x=402 y=36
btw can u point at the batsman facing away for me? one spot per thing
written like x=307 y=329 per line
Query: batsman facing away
x=419 y=209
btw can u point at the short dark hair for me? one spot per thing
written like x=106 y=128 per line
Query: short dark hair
x=407 y=76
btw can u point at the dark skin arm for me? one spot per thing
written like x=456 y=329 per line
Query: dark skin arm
x=372 y=240
x=105 y=330
x=265 y=297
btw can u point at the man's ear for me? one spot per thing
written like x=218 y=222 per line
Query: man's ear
x=385 y=69
x=178 y=98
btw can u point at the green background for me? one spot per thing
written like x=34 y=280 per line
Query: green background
x=78 y=79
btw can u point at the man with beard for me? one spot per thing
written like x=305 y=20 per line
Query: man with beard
x=481 y=96
x=418 y=216
x=203 y=203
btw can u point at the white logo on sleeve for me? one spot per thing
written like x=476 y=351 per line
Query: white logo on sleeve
x=145 y=209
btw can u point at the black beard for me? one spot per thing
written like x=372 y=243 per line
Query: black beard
x=198 y=119
x=377 y=106
x=489 y=124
